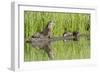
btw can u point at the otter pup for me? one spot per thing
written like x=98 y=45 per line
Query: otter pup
x=66 y=34
x=46 y=33
x=75 y=34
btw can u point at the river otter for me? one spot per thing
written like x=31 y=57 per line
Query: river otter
x=46 y=33
x=75 y=34
x=66 y=34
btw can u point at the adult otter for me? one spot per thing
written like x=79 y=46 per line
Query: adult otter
x=46 y=33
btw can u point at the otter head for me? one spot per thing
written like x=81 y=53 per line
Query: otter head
x=50 y=24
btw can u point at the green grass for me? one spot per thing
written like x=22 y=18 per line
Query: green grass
x=36 y=21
